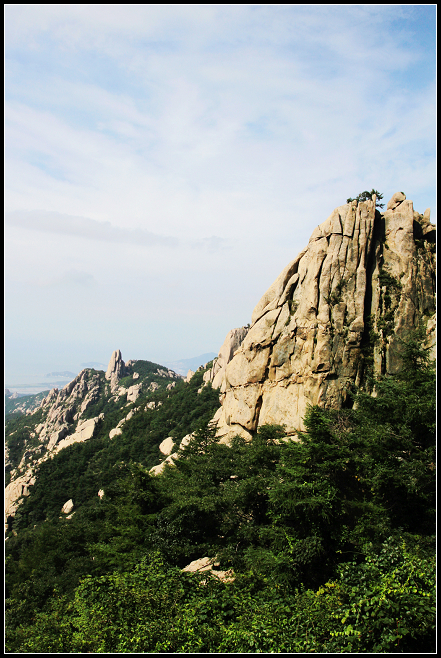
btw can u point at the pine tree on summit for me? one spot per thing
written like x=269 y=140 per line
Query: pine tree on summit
x=364 y=196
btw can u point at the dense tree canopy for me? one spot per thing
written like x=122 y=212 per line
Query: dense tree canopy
x=331 y=538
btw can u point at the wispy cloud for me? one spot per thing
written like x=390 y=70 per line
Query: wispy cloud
x=83 y=227
x=212 y=244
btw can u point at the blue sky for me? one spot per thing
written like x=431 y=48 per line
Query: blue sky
x=165 y=162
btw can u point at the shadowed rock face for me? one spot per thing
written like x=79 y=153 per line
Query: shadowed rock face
x=337 y=310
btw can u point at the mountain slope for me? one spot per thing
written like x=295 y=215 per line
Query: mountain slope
x=94 y=406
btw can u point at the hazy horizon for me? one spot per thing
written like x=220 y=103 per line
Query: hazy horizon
x=32 y=383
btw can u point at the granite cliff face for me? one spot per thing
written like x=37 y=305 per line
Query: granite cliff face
x=338 y=310
x=231 y=344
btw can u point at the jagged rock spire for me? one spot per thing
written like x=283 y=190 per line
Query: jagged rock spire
x=116 y=369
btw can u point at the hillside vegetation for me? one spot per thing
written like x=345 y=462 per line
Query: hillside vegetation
x=17 y=406
x=328 y=542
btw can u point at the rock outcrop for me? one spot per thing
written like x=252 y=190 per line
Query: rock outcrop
x=166 y=448
x=336 y=313
x=67 y=507
x=14 y=491
x=338 y=310
x=231 y=344
x=116 y=369
x=167 y=445
x=211 y=565
x=59 y=439
x=133 y=392
x=190 y=374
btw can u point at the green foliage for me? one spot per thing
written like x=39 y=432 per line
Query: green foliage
x=148 y=373
x=79 y=471
x=398 y=428
x=336 y=294
x=364 y=196
x=293 y=306
x=384 y=604
x=386 y=279
x=330 y=537
x=25 y=402
x=390 y=293
x=18 y=437
x=387 y=602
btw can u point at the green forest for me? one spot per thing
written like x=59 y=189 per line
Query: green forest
x=329 y=541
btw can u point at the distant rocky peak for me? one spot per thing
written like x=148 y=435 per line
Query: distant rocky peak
x=116 y=369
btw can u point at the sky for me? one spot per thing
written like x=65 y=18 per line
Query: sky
x=164 y=163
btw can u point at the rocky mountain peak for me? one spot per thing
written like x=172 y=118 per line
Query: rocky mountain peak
x=335 y=313
x=116 y=369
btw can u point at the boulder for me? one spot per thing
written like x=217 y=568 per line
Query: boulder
x=201 y=564
x=57 y=436
x=15 y=490
x=166 y=448
x=133 y=392
x=395 y=201
x=83 y=432
x=157 y=470
x=167 y=445
x=67 y=507
x=185 y=441
x=207 y=564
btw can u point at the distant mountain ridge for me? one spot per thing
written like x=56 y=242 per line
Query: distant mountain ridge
x=182 y=366
x=21 y=403
x=64 y=373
